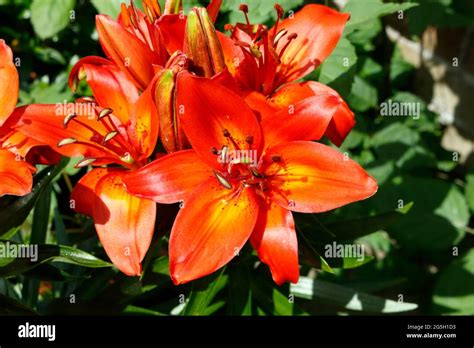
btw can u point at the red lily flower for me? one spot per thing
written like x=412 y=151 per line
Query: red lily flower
x=263 y=60
x=241 y=181
x=17 y=152
x=141 y=43
x=120 y=127
x=144 y=44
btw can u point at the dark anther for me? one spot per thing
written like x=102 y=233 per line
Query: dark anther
x=292 y=36
x=244 y=8
x=275 y=158
x=279 y=10
x=249 y=139
x=214 y=151
x=226 y=133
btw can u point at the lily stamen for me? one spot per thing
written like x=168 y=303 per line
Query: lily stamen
x=132 y=11
x=290 y=38
x=66 y=141
x=222 y=180
x=85 y=162
x=104 y=112
x=68 y=119
x=227 y=134
x=280 y=12
x=111 y=128
x=245 y=9
x=282 y=33
x=110 y=136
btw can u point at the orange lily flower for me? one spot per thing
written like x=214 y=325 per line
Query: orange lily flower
x=266 y=62
x=241 y=182
x=119 y=127
x=17 y=152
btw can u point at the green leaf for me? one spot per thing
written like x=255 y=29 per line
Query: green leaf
x=376 y=285
x=161 y=266
x=14 y=210
x=442 y=13
x=203 y=292
x=395 y=133
x=363 y=95
x=271 y=299
x=240 y=296
x=341 y=232
x=400 y=69
x=49 y=17
x=381 y=171
x=308 y=248
x=39 y=230
x=9 y=306
x=437 y=219
x=370 y=70
x=108 y=7
x=365 y=33
x=47 y=272
x=42 y=91
x=364 y=11
x=50 y=55
x=10 y=234
x=469 y=193
x=352 y=229
x=313 y=289
x=11 y=265
x=134 y=310
x=454 y=290
x=427 y=122
x=338 y=70
x=347 y=230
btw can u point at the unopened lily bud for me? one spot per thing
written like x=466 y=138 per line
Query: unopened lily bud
x=172 y=136
x=178 y=62
x=202 y=44
x=173 y=7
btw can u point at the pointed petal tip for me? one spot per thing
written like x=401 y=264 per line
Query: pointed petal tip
x=280 y=281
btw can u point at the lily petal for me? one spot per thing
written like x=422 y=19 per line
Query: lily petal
x=16 y=176
x=83 y=197
x=172 y=28
x=110 y=86
x=319 y=28
x=275 y=240
x=212 y=111
x=45 y=124
x=8 y=82
x=210 y=230
x=213 y=9
x=130 y=54
x=261 y=105
x=15 y=141
x=307 y=120
x=42 y=154
x=312 y=178
x=170 y=179
x=144 y=123
x=290 y=95
x=343 y=119
x=124 y=223
x=242 y=67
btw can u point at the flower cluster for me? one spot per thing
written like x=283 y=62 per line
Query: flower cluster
x=219 y=122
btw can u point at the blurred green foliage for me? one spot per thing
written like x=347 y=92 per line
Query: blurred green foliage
x=418 y=228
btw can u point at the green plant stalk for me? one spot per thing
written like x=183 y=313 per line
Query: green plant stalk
x=39 y=230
